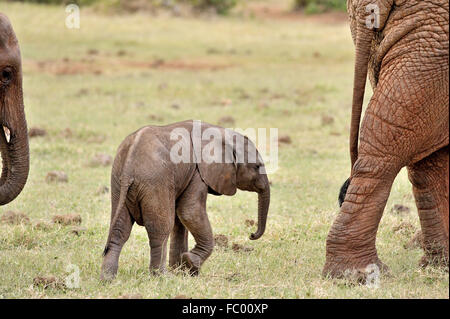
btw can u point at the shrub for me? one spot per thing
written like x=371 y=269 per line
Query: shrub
x=220 y=6
x=318 y=6
x=79 y=2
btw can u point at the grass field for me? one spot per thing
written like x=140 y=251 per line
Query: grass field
x=89 y=88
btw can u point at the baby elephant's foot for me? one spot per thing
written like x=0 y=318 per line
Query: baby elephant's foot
x=108 y=273
x=110 y=265
x=157 y=271
x=192 y=262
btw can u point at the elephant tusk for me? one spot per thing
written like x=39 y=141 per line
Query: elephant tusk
x=7 y=134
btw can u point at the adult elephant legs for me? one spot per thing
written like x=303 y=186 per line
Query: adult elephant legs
x=430 y=180
x=351 y=240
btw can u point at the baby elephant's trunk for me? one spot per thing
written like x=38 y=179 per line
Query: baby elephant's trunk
x=263 y=209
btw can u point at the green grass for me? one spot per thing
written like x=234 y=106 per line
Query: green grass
x=300 y=70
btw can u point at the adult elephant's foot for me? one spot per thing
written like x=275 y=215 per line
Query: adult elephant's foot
x=356 y=270
x=354 y=260
x=191 y=262
x=436 y=255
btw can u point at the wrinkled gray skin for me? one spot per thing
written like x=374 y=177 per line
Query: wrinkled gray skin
x=13 y=126
x=406 y=124
x=148 y=188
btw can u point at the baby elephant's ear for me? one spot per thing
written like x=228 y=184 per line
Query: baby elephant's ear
x=215 y=160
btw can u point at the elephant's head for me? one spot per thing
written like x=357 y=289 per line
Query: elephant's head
x=239 y=166
x=13 y=126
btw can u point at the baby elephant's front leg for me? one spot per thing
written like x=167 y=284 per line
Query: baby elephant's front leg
x=192 y=212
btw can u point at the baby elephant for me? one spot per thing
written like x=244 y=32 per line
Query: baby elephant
x=160 y=179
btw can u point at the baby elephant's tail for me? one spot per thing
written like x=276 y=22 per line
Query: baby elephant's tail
x=125 y=184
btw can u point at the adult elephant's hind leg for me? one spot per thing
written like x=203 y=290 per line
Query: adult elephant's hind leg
x=430 y=180
x=350 y=246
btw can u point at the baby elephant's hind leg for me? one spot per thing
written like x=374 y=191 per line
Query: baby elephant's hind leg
x=158 y=251
x=157 y=214
x=178 y=243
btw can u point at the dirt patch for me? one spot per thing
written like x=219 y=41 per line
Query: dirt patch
x=96 y=139
x=177 y=65
x=400 y=209
x=68 y=219
x=234 y=277
x=131 y=296
x=221 y=240
x=226 y=121
x=56 y=177
x=14 y=218
x=416 y=242
x=243 y=95
x=78 y=230
x=263 y=105
x=36 y=131
x=66 y=133
x=155 y=118
x=101 y=160
x=285 y=139
x=48 y=281
x=121 y=53
x=249 y=222
x=43 y=225
x=65 y=67
x=92 y=52
x=82 y=92
x=102 y=65
x=225 y=102
x=327 y=120
x=404 y=228
x=240 y=248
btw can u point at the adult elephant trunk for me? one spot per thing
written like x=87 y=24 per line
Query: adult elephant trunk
x=263 y=209
x=13 y=145
x=13 y=126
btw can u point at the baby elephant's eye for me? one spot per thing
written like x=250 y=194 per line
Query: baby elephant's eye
x=6 y=75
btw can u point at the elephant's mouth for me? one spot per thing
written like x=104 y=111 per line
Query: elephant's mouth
x=7 y=134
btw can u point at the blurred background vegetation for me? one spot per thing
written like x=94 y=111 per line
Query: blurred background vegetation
x=218 y=6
